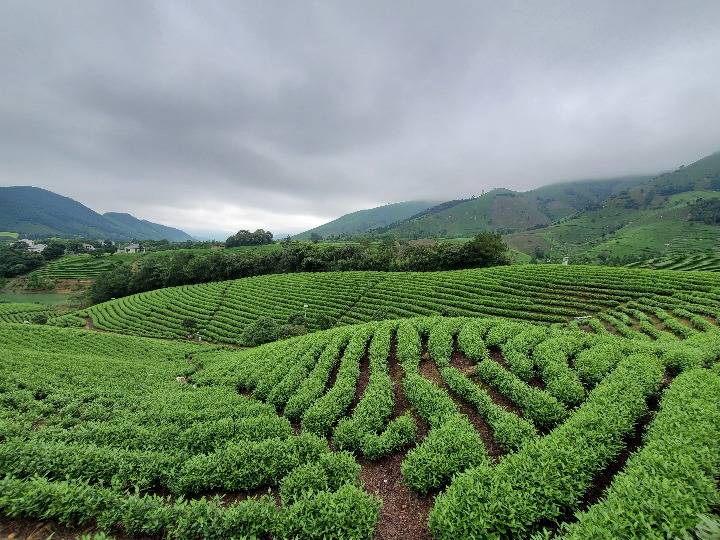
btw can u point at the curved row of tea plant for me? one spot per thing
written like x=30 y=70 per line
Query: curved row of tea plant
x=22 y=312
x=534 y=293
x=118 y=428
x=98 y=428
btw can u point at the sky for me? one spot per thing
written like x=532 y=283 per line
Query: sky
x=222 y=115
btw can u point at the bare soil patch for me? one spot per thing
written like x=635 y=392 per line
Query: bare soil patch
x=404 y=512
x=363 y=380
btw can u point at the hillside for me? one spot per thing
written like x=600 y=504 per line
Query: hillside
x=365 y=220
x=650 y=220
x=505 y=210
x=537 y=293
x=35 y=212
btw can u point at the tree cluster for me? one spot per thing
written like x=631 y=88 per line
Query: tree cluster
x=706 y=211
x=247 y=238
x=181 y=268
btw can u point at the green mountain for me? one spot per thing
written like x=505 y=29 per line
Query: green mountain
x=506 y=211
x=672 y=214
x=35 y=212
x=365 y=220
x=142 y=228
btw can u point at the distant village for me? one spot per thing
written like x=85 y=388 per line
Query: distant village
x=132 y=247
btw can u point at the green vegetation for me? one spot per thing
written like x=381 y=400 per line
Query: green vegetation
x=181 y=267
x=247 y=238
x=83 y=266
x=538 y=293
x=22 y=312
x=707 y=262
x=499 y=210
x=670 y=215
x=131 y=434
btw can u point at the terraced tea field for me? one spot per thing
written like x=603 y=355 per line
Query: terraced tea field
x=21 y=312
x=404 y=428
x=82 y=267
x=705 y=262
x=546 y=294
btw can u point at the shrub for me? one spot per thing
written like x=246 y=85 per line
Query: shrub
x=263 y=330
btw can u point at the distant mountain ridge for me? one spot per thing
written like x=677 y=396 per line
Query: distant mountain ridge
x=36 y=212
x=365 y=220
x=500 y=210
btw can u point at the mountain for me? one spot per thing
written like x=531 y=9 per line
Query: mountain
x=144 y=229
x=506 y=211
x=365 y=220
x=36 y=212
x=658 y=217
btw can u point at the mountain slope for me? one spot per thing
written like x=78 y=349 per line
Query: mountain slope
x=649 y=220
x=365 y=220
x=37 y=212
x=505 y=210
x=142 y=228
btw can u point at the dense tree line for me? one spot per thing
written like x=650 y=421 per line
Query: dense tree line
x=706 y=211
x=166 y=270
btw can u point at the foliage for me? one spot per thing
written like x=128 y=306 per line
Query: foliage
x=154 y=271
x=261 y=331
x=247 y=238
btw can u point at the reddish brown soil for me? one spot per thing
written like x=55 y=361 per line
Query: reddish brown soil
x=404 y=512
x=461 y=362
x=333 y=374
x=16 y=529
x=363 y=380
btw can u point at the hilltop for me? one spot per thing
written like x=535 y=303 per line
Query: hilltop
x=35 y=212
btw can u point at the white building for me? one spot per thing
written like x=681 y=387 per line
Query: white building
x=131 y=248
x=32 y=246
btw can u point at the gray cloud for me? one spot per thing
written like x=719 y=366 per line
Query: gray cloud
x=221 y=115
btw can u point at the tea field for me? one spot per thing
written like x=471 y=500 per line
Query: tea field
x=621 y=301
x=444 y=427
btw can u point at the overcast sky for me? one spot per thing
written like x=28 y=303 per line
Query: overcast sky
x=241 y=114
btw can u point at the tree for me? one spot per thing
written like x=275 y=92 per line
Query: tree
x=52 y=251
x=262 y=330
x=38 y=318
x=315 y=237
x=189 y=325
x=247 y=238
x=323 y=321
x=486 y=249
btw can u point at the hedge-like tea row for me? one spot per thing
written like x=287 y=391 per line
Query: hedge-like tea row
x=549 y=476
x=538 y=406
x=346 y=513
x=535 y=293
x=672 y=478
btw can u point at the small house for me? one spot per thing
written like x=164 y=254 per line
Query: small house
x=131 y=248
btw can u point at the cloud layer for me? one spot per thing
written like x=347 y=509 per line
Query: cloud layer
x=227 y=115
